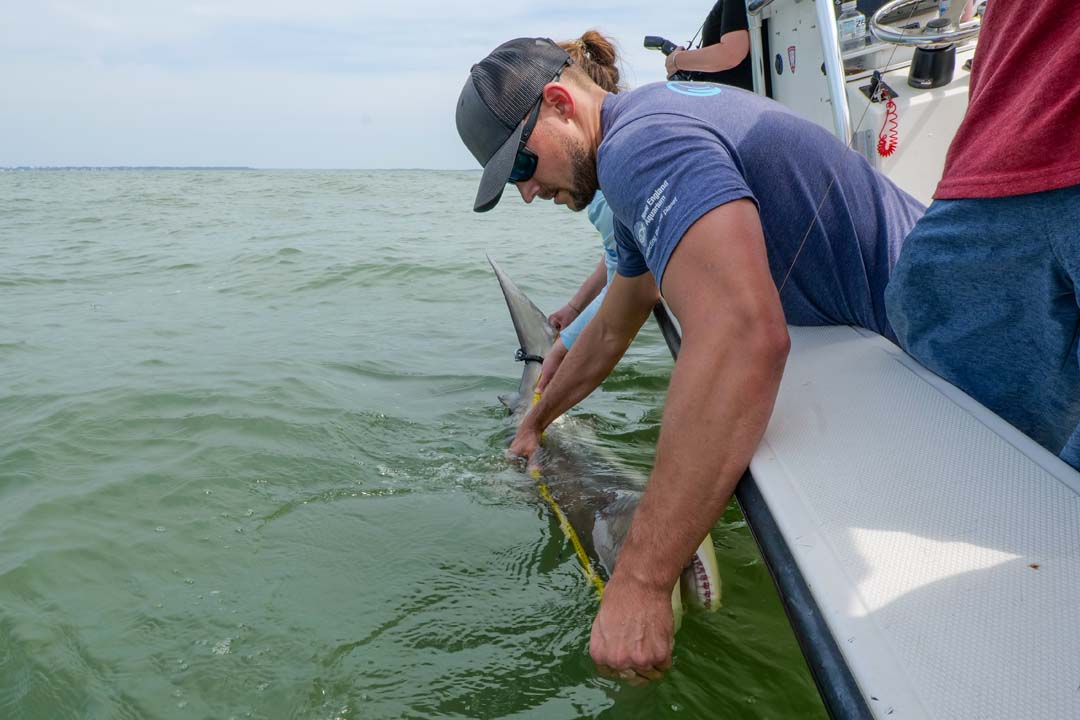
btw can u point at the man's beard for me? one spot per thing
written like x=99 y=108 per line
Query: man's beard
x=583 y=168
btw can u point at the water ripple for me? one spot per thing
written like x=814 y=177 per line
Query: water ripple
x=252 y=462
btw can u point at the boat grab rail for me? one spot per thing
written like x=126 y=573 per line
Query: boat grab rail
x=753 y=7
x=906 y=36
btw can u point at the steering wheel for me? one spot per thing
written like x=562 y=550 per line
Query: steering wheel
x=937 y=32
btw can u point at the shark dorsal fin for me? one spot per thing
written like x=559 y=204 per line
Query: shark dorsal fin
x=533 y=331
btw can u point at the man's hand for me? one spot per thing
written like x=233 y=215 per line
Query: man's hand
x=669 y=62
x=563 y=316
x=634 y=631
x=552 y=360
x=525 y=444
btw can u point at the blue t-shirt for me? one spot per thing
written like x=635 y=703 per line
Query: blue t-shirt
x=673 y=151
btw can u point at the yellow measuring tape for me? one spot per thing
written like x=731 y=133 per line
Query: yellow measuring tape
x=568 y=531
x=586 y=564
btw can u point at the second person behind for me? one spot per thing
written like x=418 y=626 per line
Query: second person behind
x=724 y=53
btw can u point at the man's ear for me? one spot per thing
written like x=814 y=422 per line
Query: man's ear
x=559 y=97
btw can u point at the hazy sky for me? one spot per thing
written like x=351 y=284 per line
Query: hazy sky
x=275 y=83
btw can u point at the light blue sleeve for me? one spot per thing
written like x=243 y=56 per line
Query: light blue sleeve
x=602 y=218
x=570 y=333
x=604 y=221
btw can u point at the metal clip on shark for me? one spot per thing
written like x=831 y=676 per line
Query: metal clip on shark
x=593 y=503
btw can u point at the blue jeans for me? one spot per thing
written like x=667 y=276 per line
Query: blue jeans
x=984 y=294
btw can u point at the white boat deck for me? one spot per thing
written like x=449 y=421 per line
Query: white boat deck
x=941 y=545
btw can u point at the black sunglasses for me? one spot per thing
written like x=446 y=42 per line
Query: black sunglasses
x=526 y=159
x=525 y=162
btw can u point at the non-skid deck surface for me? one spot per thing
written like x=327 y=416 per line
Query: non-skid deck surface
x=942 y=546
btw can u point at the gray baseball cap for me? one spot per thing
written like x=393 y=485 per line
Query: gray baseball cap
x=495 y=103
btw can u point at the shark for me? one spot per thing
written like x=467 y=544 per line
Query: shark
x=592 y=498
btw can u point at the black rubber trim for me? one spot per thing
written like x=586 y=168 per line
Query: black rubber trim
x=840 y=693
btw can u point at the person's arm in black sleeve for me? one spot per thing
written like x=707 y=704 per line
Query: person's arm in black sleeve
x=730 y=49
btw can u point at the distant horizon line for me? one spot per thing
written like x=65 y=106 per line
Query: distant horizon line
x=227 y=167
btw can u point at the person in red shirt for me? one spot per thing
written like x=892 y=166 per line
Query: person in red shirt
x=984 y=292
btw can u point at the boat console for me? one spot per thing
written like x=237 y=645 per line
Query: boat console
x=912 y=58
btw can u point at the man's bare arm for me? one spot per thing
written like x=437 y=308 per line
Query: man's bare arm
x=721 y=395
x=599 y=347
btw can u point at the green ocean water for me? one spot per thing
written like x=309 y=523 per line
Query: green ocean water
x=251 y=462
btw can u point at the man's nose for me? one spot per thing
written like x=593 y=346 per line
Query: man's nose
x=528 y=189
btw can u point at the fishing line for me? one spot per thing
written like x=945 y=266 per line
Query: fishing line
x=690 y=45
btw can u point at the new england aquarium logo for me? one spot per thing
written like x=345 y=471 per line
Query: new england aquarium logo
x=694 y=89
x=641 y=230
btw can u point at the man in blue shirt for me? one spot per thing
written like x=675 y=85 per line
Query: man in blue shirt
x=747 y=216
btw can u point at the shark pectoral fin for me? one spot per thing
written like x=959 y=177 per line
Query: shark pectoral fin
x=701 y=579
x=509 y=400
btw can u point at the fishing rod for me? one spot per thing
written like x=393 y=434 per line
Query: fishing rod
x=655 y=42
